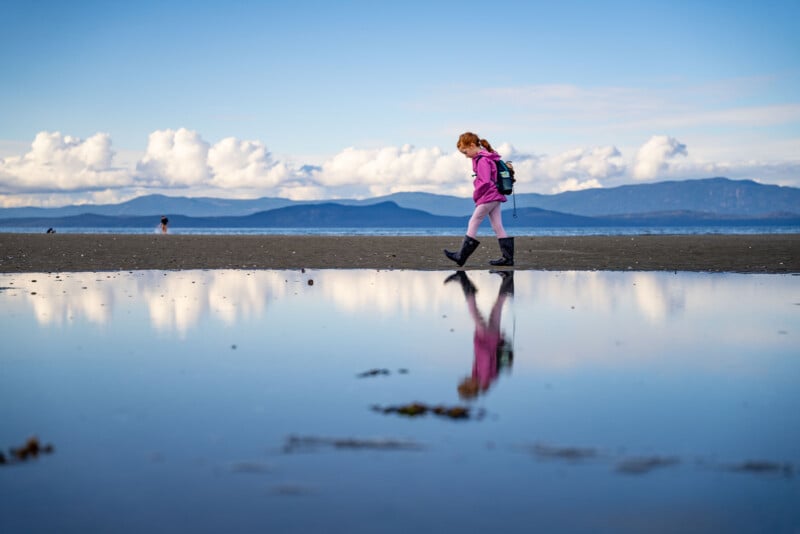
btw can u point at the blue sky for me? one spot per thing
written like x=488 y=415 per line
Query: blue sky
x=102 y=101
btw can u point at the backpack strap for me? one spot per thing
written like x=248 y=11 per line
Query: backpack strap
x=477 y=158
x=497 y=179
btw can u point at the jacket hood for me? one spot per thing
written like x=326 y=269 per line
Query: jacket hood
x=494 y=156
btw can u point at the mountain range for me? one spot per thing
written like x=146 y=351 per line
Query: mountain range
x=692 y=202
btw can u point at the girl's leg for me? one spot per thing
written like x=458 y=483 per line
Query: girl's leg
x=496 y=220
x=480 y=323
x=480 y=213
x=495 y=317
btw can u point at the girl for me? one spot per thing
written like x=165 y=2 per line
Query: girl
x=487 y=200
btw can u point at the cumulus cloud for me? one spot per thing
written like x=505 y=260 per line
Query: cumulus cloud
x=391 y=169
x=59 y=162
x=175 y=158
x=572 y=170
x=655 y=156
x=573 y=184
x=244 y=164
x=596 y=163
x=60 y=169
x=182 y=160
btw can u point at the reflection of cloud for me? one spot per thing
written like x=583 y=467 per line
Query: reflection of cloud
x=172 y=301
x=561 y=320
x=175 y=301
x=651 y=295
x=55 y=301
x=407 y=291
x=180 y=300
x=655 y=297
x=576 y=319
x=233 y=297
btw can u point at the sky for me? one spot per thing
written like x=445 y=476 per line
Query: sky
x=103 y=101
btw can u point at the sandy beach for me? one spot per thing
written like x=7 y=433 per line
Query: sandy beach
x=768 y=253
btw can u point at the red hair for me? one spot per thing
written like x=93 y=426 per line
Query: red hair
x=468 y=139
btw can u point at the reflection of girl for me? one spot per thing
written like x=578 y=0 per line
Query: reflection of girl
x=492 y=350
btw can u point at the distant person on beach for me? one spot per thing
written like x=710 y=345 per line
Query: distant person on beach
x=487 y=200
x=51 y=230
x=164 y=223
x=493 y=351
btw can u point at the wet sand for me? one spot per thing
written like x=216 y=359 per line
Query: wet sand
x=768 y=253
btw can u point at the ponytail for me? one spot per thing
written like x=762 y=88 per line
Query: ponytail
x=485 y=144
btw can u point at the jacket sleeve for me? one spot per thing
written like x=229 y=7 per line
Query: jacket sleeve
x=484 y=181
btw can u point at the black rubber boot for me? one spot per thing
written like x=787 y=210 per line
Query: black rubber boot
x=507 y=248
x=466 y=284
x=507 y=285
x=467 y=248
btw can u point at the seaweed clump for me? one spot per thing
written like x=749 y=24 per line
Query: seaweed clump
x=30 y=450
x=416 y=409
x=305 y=443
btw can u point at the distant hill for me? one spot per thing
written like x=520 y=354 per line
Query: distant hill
x=710 y=195
x=325 y=215
x=381 y=215
x=716 y=196
x=432 y=203
x=390 y=215
x=157 y=205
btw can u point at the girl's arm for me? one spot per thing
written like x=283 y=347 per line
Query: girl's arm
x=484 y=182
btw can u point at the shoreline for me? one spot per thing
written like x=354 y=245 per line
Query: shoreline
x=741 y=253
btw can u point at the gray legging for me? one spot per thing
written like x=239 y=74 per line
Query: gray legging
x=492 y=209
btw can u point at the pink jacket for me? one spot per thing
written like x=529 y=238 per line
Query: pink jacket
x=484 y=368
x=485 y=178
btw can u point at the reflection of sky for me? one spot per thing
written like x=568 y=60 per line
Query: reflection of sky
x=746 y=309
x=152 y=382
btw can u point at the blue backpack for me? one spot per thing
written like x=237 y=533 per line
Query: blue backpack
x=505 y=177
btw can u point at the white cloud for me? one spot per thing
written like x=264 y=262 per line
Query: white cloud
x=183 y=159
x=391 y=169
x=303 y=192
x=597 y=163
x=573 y=184
x=60 y=170
x=374 y=172
x=244 y=164
x=59 y=162
x=654 y=157
x=572 y=170
x=176 y=158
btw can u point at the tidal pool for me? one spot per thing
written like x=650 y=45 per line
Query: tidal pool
x=400 y=401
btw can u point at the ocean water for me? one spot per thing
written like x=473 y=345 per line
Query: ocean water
x=279 y=401
x=485 y=231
